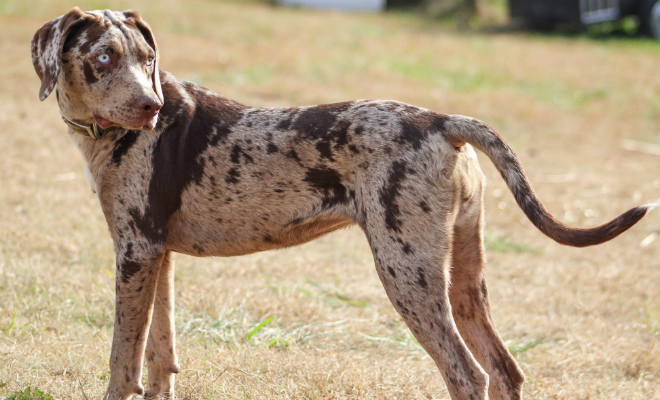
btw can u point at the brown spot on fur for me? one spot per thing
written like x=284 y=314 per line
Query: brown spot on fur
x=416 y=127
x=232 y=176
x=123 y=145
x=329 y=182
x=325 y=150
x=128 y=267
x=388 y=195
x=421 y=280
x=292 y=154
x=316 y=122
x=236 y=154
x=90 y=77
x=271 y=148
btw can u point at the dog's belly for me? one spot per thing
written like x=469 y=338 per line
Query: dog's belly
x=229 y=236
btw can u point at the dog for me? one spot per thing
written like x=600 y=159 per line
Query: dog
x=178 y=168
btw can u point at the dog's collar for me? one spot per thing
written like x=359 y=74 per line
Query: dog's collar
x=93 y=131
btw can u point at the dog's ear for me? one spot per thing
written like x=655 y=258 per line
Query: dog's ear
x=145 y=30
x=47 y=46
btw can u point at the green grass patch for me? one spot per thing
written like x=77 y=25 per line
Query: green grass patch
x=257 y=328
x=503 y=245
x=651 y=317
x=249 y=76
x=331 y=296
x=7 y=328
x=30 y=394
x=471 y=79
x=517 y=349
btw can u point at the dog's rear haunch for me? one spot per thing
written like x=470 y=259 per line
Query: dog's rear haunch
x=178 y=168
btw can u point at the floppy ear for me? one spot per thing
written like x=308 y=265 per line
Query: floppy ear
x=145 y=30
x=47 y=46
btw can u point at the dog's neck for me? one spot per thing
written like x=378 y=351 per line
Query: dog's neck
x=86 y=137
x=93 y=131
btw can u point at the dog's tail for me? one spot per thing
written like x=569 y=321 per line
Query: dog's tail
x=460 y=129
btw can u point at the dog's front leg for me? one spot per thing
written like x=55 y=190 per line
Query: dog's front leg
x=162 y=363
x=136 y=281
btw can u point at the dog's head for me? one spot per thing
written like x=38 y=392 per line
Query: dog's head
x=106 y=66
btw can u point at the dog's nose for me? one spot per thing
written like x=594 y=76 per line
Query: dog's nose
x=149 y=106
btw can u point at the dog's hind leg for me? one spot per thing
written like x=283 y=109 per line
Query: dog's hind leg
x=412 y=259
x=162 y=363
x=469 y=296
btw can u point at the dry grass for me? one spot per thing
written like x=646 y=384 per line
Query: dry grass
x=584 y=324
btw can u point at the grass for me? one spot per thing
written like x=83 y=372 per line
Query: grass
x=314 y=322
x=502 y=245
x=30 y=394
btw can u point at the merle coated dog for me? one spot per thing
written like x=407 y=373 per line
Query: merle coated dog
x=178 y=168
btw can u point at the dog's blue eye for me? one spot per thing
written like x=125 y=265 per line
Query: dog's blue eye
x=150 y=61
x=103 y=59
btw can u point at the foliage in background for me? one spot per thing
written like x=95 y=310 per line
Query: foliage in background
x=466 y=13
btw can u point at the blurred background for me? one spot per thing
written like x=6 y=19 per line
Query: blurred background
x=574 y=88
x=597 y=16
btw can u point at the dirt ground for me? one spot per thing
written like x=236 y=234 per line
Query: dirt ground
x=582 y=323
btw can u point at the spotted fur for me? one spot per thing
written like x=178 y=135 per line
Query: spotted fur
x=213 y=177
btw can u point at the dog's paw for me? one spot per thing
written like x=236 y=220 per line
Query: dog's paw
x=154 y=392
x=123 y=393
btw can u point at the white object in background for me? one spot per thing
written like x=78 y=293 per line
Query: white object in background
x=344 y=5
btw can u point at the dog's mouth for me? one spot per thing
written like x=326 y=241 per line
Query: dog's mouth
x=148 y=125
x=102 y=122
